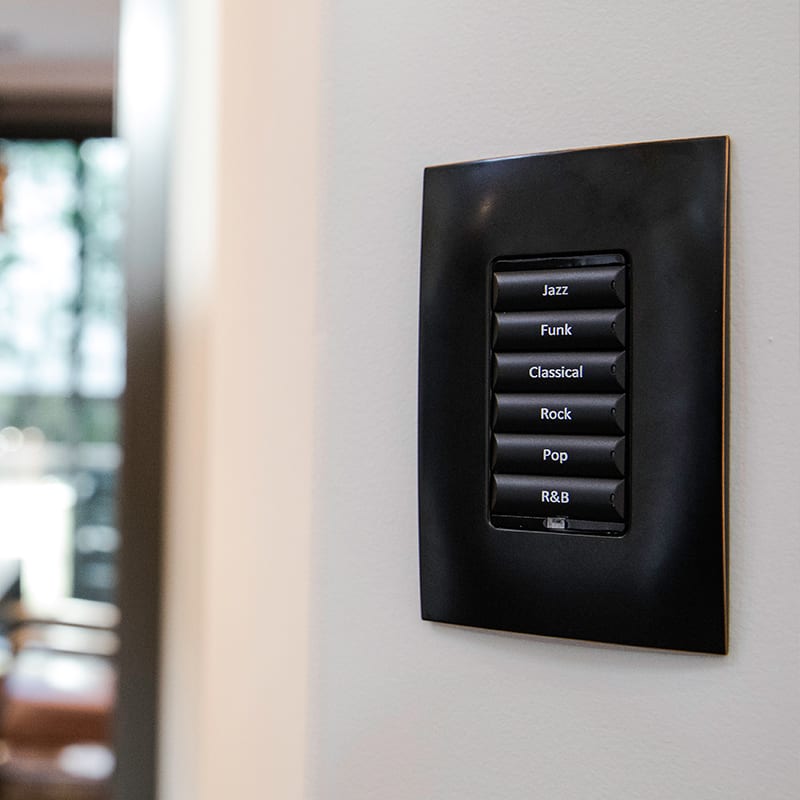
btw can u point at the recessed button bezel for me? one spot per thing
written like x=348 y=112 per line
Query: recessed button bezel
x=598 y=370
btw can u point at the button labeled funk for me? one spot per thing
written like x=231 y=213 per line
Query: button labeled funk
x=555 y=330
x=595 y=329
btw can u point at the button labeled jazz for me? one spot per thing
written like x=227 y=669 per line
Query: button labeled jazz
x=600 y=456
x=586 y=287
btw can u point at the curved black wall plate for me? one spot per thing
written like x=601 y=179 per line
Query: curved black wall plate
x=656 y=576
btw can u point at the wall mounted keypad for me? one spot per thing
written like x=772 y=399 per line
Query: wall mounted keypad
x=572 y=449
x=558 y=346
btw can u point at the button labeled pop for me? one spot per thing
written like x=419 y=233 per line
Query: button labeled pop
x=600 y=456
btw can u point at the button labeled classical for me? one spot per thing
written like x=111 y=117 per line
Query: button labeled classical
x=538 y=371
x=572 y=372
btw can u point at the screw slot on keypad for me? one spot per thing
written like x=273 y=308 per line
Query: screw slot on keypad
x=558 y=376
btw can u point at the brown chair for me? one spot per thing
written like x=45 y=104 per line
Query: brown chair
x=57 y=702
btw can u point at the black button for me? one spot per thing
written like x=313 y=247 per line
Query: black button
x=560 y=413
x=570 y=372
x=560 y=330
x=595 y=456
x=597 y=499
x=588 y=287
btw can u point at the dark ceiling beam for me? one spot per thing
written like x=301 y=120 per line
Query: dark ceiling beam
x=56 y=115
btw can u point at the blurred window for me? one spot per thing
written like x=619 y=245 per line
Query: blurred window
x=62 y=364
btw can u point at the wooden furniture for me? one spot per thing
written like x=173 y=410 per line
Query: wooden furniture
x=57 y=700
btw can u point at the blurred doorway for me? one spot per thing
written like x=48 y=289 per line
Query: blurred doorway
x=62 y=377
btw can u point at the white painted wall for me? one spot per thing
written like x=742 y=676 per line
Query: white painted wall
x=408 y=710
x=294 y=650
